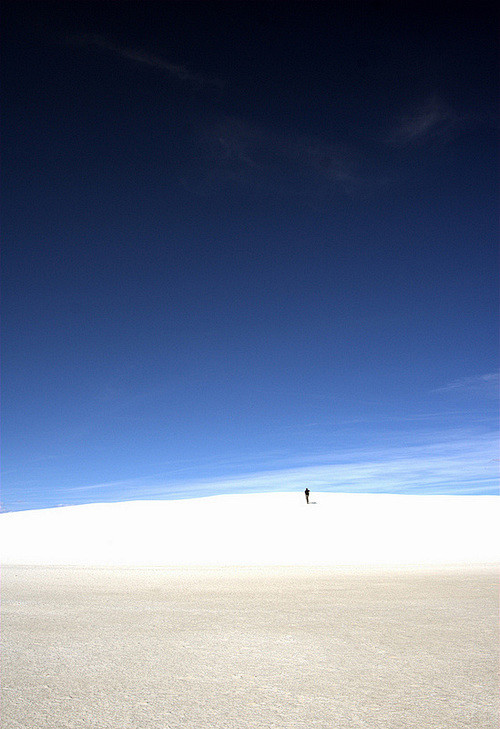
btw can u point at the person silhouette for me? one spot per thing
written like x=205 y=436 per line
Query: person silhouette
x=307 y=495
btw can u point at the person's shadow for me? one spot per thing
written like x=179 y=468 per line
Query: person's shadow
x=312 y=502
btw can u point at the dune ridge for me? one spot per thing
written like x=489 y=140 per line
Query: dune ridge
x=258 y=530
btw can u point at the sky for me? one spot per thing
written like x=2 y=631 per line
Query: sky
x=248 y=247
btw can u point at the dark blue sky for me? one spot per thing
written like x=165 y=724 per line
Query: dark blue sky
x=248 y=246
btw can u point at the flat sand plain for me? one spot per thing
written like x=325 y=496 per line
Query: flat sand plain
x=258 y=648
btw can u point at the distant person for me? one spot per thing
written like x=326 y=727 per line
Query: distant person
x=307 y=495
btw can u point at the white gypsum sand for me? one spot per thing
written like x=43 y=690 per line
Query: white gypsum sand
x=259 y=529
x=181 y=646
x=249 y=648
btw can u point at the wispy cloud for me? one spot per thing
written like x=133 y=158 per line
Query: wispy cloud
x=233 y=150
x=454 y=465
x=480 y=384
x=125 y=484
x=175 y=71
x=433 y=119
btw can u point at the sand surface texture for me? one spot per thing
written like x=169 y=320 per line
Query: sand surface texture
x=258 y=648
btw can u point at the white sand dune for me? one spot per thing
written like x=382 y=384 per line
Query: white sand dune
x=259 y=529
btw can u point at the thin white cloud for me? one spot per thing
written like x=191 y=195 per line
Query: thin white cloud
x=487 y=384
x=258 y=147
x=177 y=71
x=235 y=151
x=461 y=464
x=431 y=120
x=127 y=483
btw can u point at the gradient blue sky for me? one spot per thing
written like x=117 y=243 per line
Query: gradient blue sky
x=248 y=247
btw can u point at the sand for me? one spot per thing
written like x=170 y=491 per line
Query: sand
x=259 y=529
x=258 y=648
